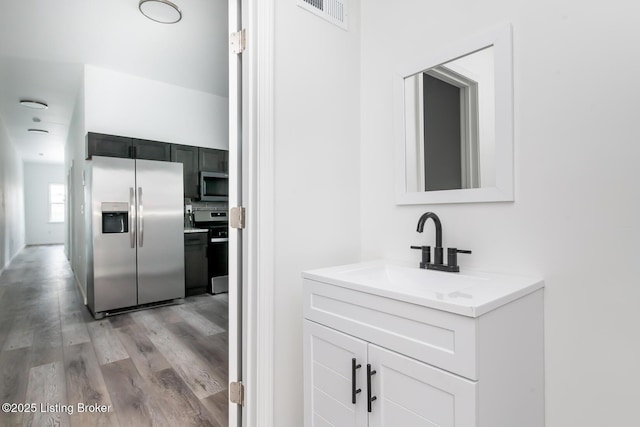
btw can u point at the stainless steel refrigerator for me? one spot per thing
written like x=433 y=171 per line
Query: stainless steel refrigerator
x=135 y=233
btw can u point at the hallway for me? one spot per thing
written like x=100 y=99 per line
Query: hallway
x=161 y=367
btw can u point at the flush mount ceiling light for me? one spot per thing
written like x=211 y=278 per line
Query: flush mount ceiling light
x=40 y=131
x=30 y=103
x=162 y=11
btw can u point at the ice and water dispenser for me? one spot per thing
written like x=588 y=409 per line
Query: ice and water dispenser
x=115 y=217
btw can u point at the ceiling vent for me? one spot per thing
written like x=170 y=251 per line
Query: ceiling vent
x=334 y=11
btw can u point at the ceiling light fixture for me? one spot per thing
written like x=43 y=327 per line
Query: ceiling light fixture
x=30 y=103
x=40 y=131
x=162 y=11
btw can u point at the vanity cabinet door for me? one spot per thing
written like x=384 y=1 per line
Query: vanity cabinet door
x=410 y=393
x=328 y=383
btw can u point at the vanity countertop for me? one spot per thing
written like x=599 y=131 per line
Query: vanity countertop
x=470 y=293
x=195 y=230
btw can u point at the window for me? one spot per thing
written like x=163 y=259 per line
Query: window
x=56 y=203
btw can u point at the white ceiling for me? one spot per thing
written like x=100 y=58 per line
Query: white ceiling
x=44 y=44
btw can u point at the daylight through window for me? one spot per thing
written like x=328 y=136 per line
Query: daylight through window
x=56 y=203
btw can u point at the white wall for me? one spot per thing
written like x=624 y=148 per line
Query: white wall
x=575 y=220
x=317 y=174
x=11 y=200
x=126 y=105
x=74 y=153
x=38 y=229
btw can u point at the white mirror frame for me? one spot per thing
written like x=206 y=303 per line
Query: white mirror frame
x=501 y=40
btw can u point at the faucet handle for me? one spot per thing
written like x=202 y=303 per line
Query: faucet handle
x=452 y=256
x=426 y=255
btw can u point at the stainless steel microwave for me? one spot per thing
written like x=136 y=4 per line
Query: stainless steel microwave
x=214 y=186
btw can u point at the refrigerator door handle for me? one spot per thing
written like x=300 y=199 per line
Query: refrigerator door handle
x=140 y=219
x=132 y=214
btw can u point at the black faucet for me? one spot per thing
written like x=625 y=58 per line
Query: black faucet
x=438 y=263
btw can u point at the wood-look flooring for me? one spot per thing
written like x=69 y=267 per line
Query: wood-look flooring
x=165 y=366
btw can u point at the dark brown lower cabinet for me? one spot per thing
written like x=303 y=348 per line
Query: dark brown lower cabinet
x=195 y=263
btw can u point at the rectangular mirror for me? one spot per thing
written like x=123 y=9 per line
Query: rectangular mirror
x=454 y=124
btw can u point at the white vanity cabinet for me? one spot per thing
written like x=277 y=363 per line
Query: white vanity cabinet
x=407 y=392
x=471 y=362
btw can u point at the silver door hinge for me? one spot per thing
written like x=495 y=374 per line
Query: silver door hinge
x=238 y=41
x=236 y=393
x=236 y=217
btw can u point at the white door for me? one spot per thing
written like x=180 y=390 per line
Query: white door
x=236 y=282
x=409 y=393
x=334 y=378
x=250 y=253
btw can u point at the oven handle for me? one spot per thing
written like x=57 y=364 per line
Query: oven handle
x=219 y=240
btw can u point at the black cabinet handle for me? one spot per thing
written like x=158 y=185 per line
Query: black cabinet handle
x=369 y=397
x=354 y=367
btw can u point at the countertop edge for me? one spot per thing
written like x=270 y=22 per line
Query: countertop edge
x=195 y=230
x=534 y=284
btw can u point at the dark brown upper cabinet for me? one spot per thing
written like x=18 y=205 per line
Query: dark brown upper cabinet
x=188 y=156
x=99 y=144
x=212 y=160
x=151 y=150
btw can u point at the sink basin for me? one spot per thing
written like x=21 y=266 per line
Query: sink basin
x=386 y=275
x=470 y=293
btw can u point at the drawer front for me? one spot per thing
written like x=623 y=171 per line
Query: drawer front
x=195 y=239
x=438 y=338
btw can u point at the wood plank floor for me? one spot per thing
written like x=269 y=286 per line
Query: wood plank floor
x=165 y=366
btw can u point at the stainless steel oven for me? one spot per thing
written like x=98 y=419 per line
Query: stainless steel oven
x=214 y=186
x=215 y=220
